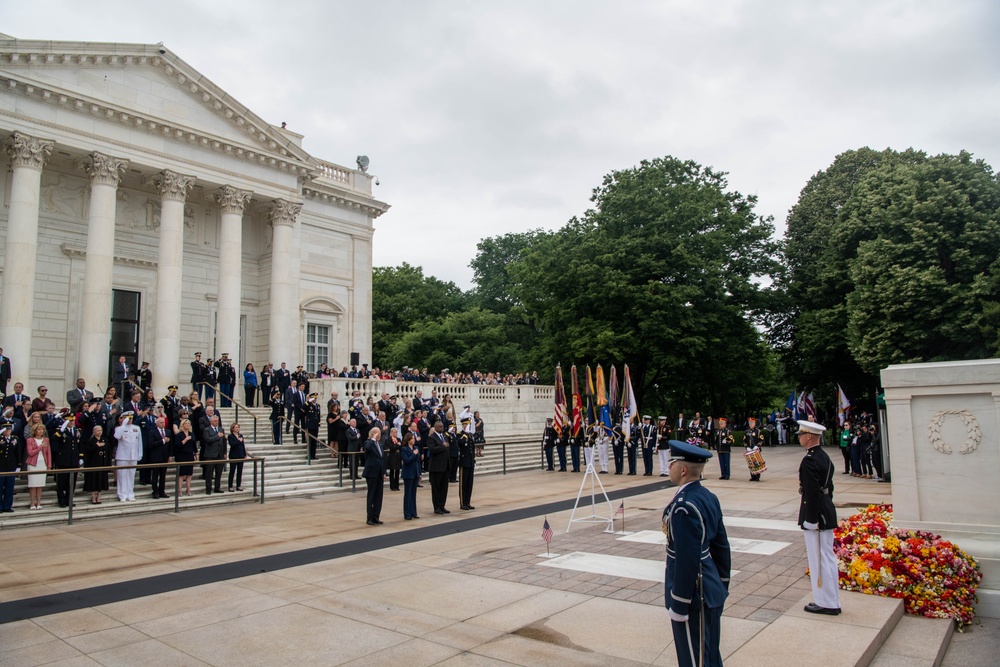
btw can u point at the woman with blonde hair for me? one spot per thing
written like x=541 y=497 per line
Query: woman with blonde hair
x=38 y=460
x=184 y=449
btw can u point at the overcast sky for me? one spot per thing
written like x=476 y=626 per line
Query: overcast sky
x=482 y=118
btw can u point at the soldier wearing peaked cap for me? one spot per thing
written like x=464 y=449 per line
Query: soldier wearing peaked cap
x=698 y=560
x=818 y=518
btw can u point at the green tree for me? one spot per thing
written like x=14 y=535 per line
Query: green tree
x=464 y=341
x=403 y=297
x=663 y=274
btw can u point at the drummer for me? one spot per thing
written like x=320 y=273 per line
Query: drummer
x=752 y=440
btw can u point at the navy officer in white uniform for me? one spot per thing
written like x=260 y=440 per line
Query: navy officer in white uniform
x=698 y=560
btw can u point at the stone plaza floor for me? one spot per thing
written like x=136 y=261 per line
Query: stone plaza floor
x=305 y=582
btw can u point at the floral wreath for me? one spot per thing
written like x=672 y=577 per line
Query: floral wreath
x=974 y=434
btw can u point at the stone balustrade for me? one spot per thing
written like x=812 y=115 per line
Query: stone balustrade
x=505 y=409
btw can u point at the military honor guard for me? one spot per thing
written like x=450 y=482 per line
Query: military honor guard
x=549 y=438
x=648 y=445
x=722 y=439
x=311 y=419
x=698 y=560
x=561 y=443
x=197 y=375
x=467 y=464
x=663 y=445
x=752 y=442
x=631 y=447
x=603 y=437
x=11 y=455
x=618 y=447
x=818 y=518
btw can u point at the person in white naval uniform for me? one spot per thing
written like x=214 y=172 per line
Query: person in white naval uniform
x=128 y=453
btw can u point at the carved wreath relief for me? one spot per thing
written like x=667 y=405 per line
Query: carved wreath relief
x=973 y=434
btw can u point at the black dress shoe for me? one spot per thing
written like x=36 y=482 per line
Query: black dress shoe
x=415 y=516
x=378 y=522
x=370 y=522
x=647 y=474
x=464 y=507
x=407 y=518
x=470 y=507
x=438 y=512
x=814 y=608
x=444 y=511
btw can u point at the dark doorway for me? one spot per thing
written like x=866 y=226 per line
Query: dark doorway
x=124 y=330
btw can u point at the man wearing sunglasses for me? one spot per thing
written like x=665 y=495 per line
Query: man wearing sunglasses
x=698 y=559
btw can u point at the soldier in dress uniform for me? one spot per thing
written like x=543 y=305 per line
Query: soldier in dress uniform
x=549 y=437
x=311 y=418
x=631 y=447
x=197 y=375
x=698 y=560
x=722 y=438
x=818 y=518
x=144 y=377
x=663 y=445
x=602 y=440
x=11 y=456
x=467 y=464
x=648 y=445
x=575 y=443
x=752 y=439
x=66 y=455
x=618 y=447
x=561 y=443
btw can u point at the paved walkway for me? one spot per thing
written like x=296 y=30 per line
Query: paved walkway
x=305 y=581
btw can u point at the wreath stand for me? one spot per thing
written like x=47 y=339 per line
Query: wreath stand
x=594 y=517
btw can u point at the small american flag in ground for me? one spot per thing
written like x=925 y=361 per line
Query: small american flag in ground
x=621 y=509
x=546 y=531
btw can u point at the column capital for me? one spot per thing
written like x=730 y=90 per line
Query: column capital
x=283 y=212
x=232 y=200
x=27 y=151
x=172 y=185
x=104 y=169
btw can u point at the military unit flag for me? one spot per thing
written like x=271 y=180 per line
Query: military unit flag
x=560 y=418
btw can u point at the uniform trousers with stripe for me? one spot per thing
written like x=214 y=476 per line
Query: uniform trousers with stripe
x=688 y=634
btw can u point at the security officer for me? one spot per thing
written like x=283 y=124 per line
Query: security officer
x=752 y=438
x=549 y=437
x=698 y=560
x=467 y=464
x=818 y=518
x=648 y=445
x=722 y=438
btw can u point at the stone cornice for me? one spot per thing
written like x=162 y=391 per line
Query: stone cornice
x=27 y=151
x=79 y=252
x=371 y=207
x=104 y=169
x=232 y=200
x=281 y=212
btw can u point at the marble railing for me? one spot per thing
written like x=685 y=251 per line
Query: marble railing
x=343 y=176
x=506 y=410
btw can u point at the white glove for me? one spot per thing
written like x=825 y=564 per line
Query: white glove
x=674 y=616
x=810 y=526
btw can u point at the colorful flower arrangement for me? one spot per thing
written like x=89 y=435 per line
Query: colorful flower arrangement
x=933 y=577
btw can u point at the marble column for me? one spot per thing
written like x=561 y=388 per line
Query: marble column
x=231 y=203
x=173 y=189
x=283 y=339
x=95 y=325
x=27 y=157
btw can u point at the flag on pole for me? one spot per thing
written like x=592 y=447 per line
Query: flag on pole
x=589 y=389
x=629 y=409
x=602 y=402
x=792 y=406
x=843 y=406
x=560 y=418
x=576 y=416
x=621 y=509
x=546 y=531
x=613 y=404
x=810 y=405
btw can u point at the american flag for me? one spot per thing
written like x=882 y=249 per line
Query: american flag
x=546 y=531
x=621 y=509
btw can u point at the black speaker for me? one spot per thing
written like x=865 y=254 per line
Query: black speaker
x=355 y=358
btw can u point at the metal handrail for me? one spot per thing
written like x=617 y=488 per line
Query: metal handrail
x=334 y=449
x=177 y=478
x=238 y=406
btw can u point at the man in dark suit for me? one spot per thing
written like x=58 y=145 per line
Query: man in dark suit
x=159 y=440
x=388 y=407
x=438 y=454
x=418 y=401
x=213 y=455
x=294 y=403
x=122 y=377
x=17 y=398
x=282 y=378
x=818 y=518
x=353 y=439
x=77 y=396
x=374 y=474
x=4 y=372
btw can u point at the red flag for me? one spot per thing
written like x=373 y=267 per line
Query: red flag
x=560 y=417
x=613 y=389
x=577 y=402
x=546 y=531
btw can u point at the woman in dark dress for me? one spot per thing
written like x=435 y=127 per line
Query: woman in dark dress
x=96 y=454
x=395 y=461
x=237 y=450
x=410 y=457
x=185 y=449
x=480 y=436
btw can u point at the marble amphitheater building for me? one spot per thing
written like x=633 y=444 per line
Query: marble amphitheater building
x=147 y=213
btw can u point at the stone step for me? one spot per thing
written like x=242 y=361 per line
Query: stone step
x=916 y=641
x=797 y=637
